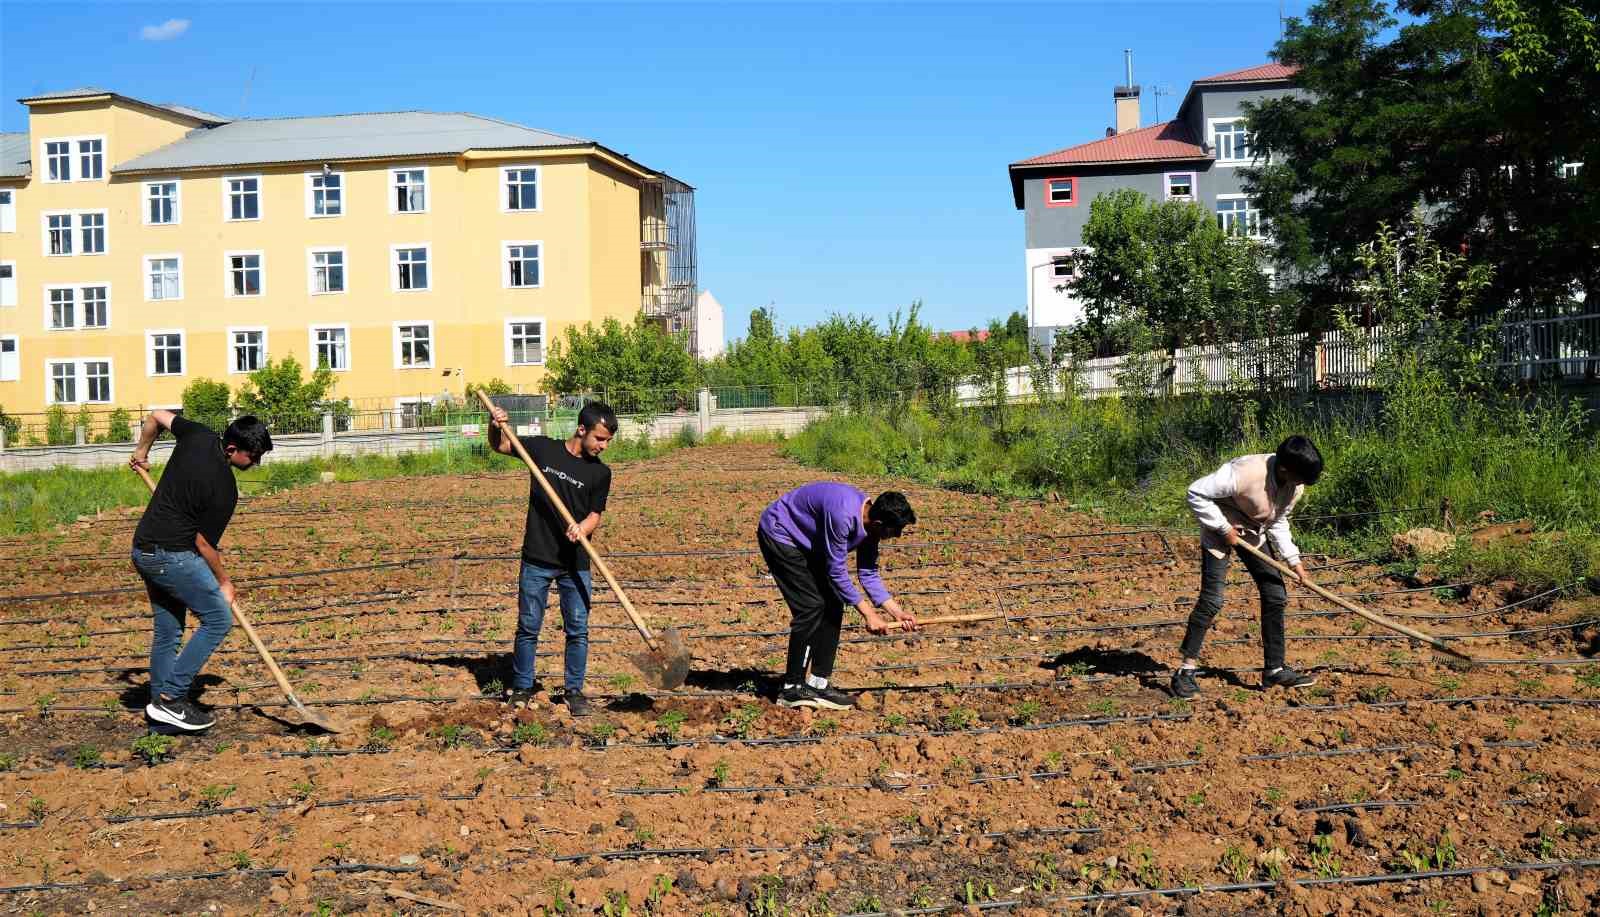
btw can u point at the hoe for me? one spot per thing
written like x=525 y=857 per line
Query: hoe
x=665 y=664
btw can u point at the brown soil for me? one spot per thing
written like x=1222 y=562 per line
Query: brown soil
x=1020 y=760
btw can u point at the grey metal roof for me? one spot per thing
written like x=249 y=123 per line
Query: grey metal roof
x=89 y=91
x=195 y=113
x=69 y=93
x=14 y=156
x=342 y=137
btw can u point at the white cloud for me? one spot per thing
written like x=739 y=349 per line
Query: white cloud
x=166 y=31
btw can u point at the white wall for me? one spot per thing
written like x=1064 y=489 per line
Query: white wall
x=1048 y=307
x=708 y=326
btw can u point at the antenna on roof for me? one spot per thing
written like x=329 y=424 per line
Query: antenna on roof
x=1280 y=20
x=244 y=100
x=1159 y=90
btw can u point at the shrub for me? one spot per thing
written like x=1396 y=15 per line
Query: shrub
x=58 y=427
x=205 y=401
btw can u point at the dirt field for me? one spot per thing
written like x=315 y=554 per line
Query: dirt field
x=1035 y=764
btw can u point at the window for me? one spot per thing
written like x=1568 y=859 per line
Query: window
x=1230 y=142
x=161 y=202
x=524 y=341
x=8 y=210
x=244 y=273
x=166 y=353
x=1235 y=215
x=10 y=361
x=1061 y=192
x=78 y=381
x=413 y=345
x=8 y=283
x=96 y=301
x=247 y=349
x=91 y=158
x=522 y=264
x=1180 y=186
x=58 y=233
x=63 y=310
x=330 y=344
x=165 y=276
x=1571 y=169
x=244 y=198
x=325 y=194
x=521 y=187
x=411 y=267
x=1061 y=266
x=58 y=154
x=92 y=228
x=410 y=190
x=327 y=270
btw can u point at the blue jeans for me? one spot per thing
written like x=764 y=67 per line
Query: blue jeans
x=179 y=581
x=533 y=596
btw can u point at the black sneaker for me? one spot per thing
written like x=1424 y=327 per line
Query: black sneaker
x=1184 y=685
x=807 y=696
x=1286 y=678
x=578 y=705
x=842 y=700
x=182 y=713
x=517 y=697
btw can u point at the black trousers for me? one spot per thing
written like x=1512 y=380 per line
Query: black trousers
x=816 y=613
x=1274 y=598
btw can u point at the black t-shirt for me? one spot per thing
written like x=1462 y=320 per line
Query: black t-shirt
x=197 y=492
x=583 y=484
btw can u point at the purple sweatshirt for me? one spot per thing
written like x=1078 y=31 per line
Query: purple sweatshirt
x=824 y=521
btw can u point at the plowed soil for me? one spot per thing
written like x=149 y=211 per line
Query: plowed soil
x=1011 y=763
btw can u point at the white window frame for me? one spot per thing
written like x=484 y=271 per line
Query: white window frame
x=433 y=344
x=227 y=199
x=1211 y=138
x=1571 y=169
x=80 y=379
x=1057 y=262
x=1248 y=210
x=8 y=286
x=48 y=304
x=311 y=195
x=83 y=310
x=77 y=151
x=15 y=375
x=8 y=211
x=1194 y=186
x=394 y=187
x=394 y=267
x=45 y=157
x=177 y=201
x=505 y=265
x=105 y=231
x=150 y=353
x=227 y=273
x=344 y=261
x=311 y=344
x=145 y=274
x=544 y=338
x=74 y=163
x=505 y=186
x=45 y=230
x=233 y=366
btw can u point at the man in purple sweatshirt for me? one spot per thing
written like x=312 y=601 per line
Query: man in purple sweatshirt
x=804 y=536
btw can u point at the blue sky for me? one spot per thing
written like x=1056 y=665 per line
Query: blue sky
x=848 y=157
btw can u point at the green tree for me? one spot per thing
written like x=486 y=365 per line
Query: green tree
x=639 y=366
x=495 y=386
x=11 y=425
x=206 y=401
x=1470 y=108
x=118 y=428
x=58 y=426
x=1167 y=275
x=281 y=395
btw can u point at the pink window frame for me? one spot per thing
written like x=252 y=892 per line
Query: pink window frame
x=1050 y=181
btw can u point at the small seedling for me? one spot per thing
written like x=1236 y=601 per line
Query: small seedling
x=153 y=748
x=622 y=681
x=37 y=808
x=212 y=796
x=1449 y=683
x=8 y=761
x=1323 y=862
x=494 y=687
x=1053 y=760
x=1105 y=707
x=895 y=721
x=960 y=718
x=112 y=707
x=530 y=734
x=719 y=773
x=303 y=789
x=603 y=731
x=1196 y=799
x=1274 y=795
x=44 y=704
x=1026 y=712
x=744 y=718
x=825 y=726
x=240 y=860
x=671 y=723
x=85 y=757
x=452 y=735
x=1235 y=865
x=1373 y=694
x=379 y=739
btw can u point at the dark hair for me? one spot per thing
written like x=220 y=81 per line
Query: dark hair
x=1300 y=457
x=248 y=433
x=595 y=413
x=893 y=510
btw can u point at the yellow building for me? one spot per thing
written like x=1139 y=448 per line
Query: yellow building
x=143 y=246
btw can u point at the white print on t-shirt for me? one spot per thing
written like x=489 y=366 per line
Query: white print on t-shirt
x=564 y=476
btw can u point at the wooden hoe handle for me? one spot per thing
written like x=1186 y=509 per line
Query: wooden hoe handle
x=1348 y=605
x=555 y=500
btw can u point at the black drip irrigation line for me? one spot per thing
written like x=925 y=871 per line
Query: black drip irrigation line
x=266 y=873
x=707 y=852
x=1234 y=887
x=1361 y=806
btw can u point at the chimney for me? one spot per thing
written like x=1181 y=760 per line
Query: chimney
x=1126 y=98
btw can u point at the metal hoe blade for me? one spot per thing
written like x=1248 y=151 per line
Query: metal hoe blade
x=667 y=666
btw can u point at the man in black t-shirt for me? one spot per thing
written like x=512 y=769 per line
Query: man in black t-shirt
x=550 y=549
x=175 y=550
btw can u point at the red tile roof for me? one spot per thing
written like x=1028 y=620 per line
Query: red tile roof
x=1272 y=71
x=965 y=337
x=1171 y=140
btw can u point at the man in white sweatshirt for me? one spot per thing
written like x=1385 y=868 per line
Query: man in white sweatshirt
x=1249 y=499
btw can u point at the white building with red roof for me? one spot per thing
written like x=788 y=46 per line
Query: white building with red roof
x=1195 y=156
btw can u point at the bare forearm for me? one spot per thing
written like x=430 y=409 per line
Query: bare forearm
x=589 y=524
x=212 y=558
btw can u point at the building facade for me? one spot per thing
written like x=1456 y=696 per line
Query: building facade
x=144 y=246
x=1194 y=157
